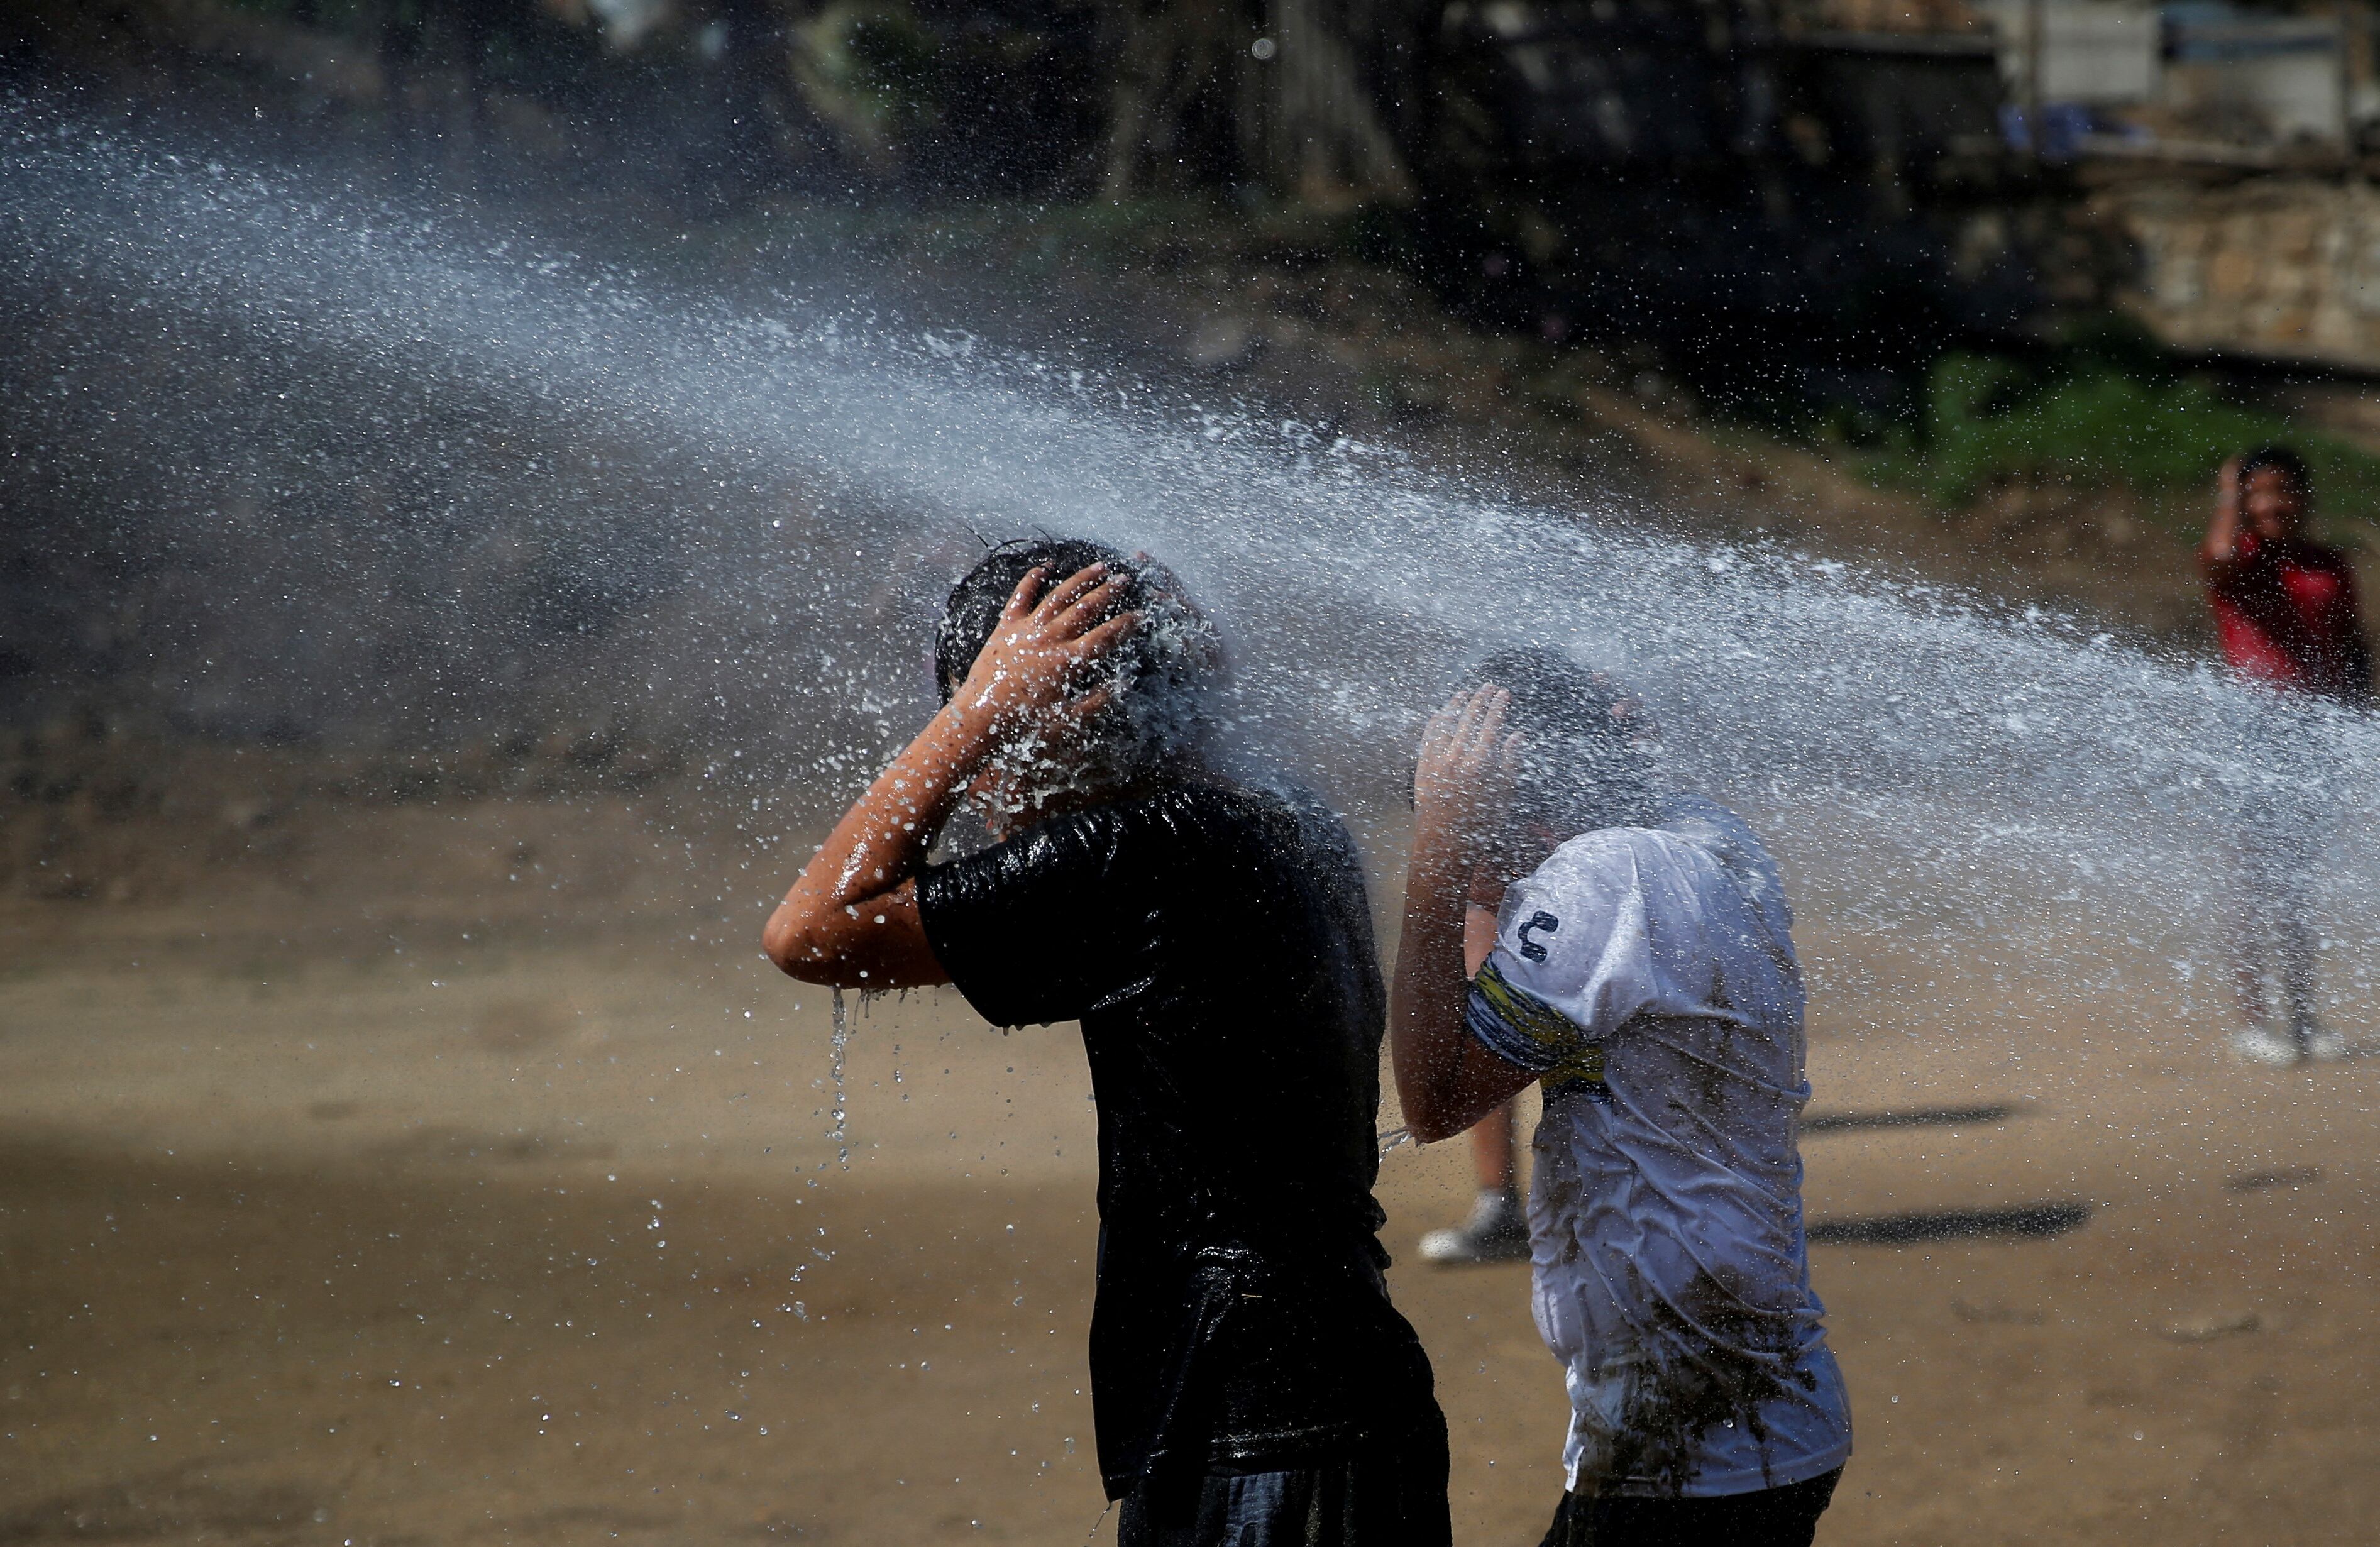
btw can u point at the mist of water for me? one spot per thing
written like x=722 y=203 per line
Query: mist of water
x=464 y=471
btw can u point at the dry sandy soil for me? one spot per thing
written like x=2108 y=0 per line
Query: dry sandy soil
x=323 y=1224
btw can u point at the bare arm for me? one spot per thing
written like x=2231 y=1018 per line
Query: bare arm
x=2222 y=544
x=1446 y=1079
x=1478 y=937
x=851 y=919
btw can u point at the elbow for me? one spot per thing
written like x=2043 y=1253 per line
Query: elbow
x=1427 y=1118
x=787 y=944
x=812 y=949
x=1429 y=1127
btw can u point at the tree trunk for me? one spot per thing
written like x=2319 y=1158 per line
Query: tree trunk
x=1169 y=58
x=1304 y=96
x=1330 y=94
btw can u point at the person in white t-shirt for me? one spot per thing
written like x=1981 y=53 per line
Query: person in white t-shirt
x=1643 y=973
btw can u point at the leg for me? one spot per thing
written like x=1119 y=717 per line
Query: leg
x=2260 y=909
x=2298 y=959
x=2305 y=838
x=1497 y=1230
x=2248 y=966
x=1491 y=1151
x=2258 y=898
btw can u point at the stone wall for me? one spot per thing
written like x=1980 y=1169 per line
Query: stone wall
x=2287 y=268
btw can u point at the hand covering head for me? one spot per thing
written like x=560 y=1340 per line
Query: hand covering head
x=1157 y=672
x=1589 y=747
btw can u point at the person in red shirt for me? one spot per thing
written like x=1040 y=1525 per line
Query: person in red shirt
x=2287 y=619
x=2284 y=605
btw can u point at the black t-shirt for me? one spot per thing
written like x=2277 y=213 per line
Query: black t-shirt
x=1216 y=945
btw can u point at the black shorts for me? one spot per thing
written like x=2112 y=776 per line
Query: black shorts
x=1785 y=1517
x=1380 y=1493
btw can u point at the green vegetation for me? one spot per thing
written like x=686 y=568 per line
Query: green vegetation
x=2108 y=410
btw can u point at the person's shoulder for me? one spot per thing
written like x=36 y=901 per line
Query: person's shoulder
x=1223 y=799
x=1208 y=814
x=1317 y=821
x=1593 y=862
x=1730 y=845
x=1155 y=829
x=1551 y=930
x=1668 y=821
x=1207 y=798
x=1673 y=832
x=1698 y=819
x=1279 y=840
x=1597 y=848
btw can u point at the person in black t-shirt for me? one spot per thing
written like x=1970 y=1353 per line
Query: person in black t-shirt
x=1249 y=1378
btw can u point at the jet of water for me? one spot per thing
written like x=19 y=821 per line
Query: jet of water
x=483 y=470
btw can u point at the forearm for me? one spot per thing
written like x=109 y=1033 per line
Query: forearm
x=881 y=841
x=1447 y=1079
x=1425 y=997
x=2222 y=544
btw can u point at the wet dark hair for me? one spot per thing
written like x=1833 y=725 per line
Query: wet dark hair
x=1588 y=743
x=2287 y=462
x=974 y=609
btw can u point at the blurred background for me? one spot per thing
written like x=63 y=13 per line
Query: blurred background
x=2016 y=272
x=427 y=644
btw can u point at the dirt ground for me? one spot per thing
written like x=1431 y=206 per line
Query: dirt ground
x=423 y=1227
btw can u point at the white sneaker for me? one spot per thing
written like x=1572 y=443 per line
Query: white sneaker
x=1498 y=1231
x=2326 y=1047
x=2263 y=1047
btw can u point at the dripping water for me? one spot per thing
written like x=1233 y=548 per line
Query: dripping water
x=840 y=1133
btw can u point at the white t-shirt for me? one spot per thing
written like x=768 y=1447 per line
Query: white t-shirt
x=1648 y=974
